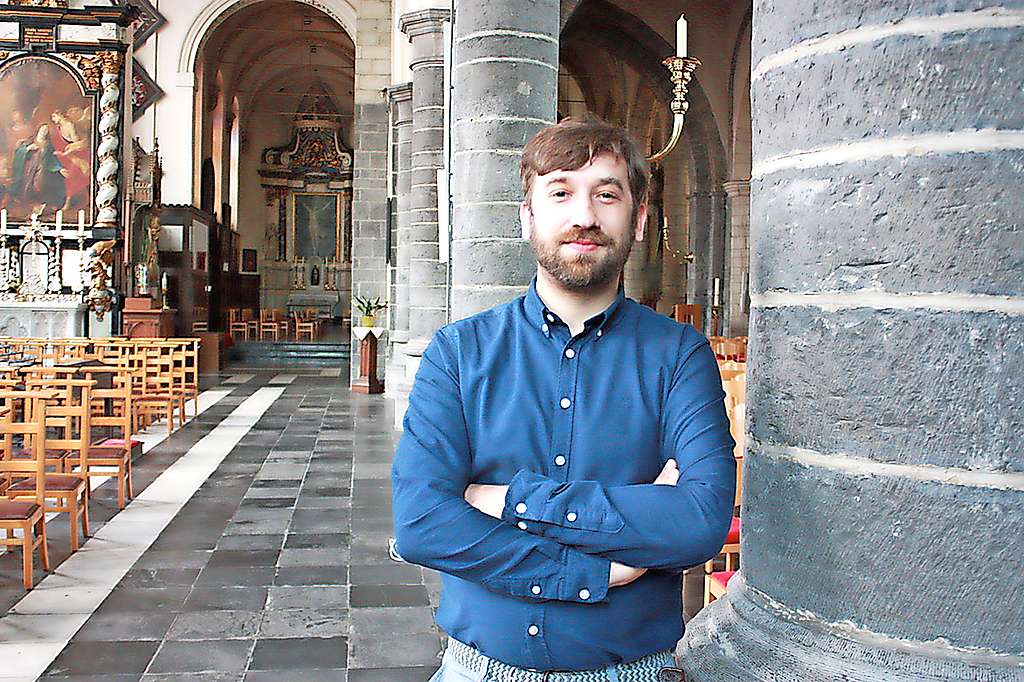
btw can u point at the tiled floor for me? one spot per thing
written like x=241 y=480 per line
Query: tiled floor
x=276 y=568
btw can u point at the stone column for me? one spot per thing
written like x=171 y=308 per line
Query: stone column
x=698 y=282
x=427 y=275
x=370 y=163
x=401 y=136
x=884 y=481
x=506 y=88
x=673 y=270
x=738 y=256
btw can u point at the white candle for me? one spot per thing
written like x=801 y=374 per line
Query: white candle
x=163 y=281
x=60 y=219
x=3 y=220
x=681 y=36
x=718 y=285
x=81 y=222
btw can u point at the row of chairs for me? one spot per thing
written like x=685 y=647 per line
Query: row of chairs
x=275 y=324
x=68 y=411
x=734 y=383
x=166 y=371
x=732 y=348
x=48 y=455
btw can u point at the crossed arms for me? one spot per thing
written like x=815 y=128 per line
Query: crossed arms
x=539 y=538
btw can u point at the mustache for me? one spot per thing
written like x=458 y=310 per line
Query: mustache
x=594 y=236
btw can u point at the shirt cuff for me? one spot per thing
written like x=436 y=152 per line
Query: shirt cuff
x=582 y=505
x=584 y=581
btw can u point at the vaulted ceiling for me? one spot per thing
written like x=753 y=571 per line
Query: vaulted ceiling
x=273 y=53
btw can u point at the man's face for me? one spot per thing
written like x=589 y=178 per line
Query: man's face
x=582 y=223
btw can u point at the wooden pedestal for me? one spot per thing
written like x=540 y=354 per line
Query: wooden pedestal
x=367 y=381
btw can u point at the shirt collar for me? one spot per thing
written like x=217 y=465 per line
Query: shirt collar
x=538 y=314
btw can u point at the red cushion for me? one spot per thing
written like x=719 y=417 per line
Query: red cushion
x=734 y=532
x=55 y=482
x=116 y=443
x=17 y=511
x=722 y=577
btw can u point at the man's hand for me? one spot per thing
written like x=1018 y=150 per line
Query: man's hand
x=669 y=474
x=623 y=575
x=490 y=499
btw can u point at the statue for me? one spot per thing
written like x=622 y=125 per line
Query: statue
x=100 y=298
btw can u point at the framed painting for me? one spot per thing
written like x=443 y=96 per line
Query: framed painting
x=249 y=261
x=46 y=142
x=316 y=225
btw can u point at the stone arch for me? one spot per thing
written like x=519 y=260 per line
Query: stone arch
x=217 y=12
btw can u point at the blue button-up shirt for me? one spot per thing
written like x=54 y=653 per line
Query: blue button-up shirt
x=578 y=427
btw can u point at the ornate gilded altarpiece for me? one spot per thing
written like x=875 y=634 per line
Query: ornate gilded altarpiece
x=62 y=74
x=308 y=186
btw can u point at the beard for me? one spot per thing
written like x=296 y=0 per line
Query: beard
x=582 y=271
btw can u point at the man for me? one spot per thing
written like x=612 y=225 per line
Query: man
x=566 y=455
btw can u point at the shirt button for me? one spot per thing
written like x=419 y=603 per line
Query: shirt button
x=570 y=517
x=570 y=353
x=559 y=461
x=521 y=508
x=565 y=403
x=544 y=328
x=600 y=332
x=522 y=526
x=551 y=318
x=584 y=594
x=533 y=630
x=535 y=589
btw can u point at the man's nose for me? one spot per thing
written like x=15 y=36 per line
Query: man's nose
x=583 y=214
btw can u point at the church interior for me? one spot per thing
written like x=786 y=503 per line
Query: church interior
x=229 y=230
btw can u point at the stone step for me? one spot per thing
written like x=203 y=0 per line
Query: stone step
x=260 y=354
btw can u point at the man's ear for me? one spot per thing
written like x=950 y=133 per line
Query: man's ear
x=641 y=222
x=525 y=219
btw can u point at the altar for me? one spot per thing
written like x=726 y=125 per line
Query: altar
x=54 y=317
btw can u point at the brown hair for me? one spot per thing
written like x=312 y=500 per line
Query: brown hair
x=574 y=142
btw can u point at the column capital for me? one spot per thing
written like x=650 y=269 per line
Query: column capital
x=423 y=22
x=736 y=188
x=400 y=100
x=399 y=92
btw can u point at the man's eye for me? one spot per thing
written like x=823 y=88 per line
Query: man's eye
x=608 y=196
x=559 y=194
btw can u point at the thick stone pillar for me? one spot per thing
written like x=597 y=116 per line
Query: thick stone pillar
x=884 y=480
x=401 y=136
x=737 y=263
x=428 y=276
x=698 y=282
x=506 y=88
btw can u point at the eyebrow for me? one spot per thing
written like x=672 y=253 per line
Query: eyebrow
x=554 y=180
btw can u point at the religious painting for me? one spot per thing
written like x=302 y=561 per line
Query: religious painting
x=46 y=142
x=316 y=222
x=249 y=261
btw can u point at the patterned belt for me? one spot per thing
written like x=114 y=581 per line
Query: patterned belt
x=656 y=667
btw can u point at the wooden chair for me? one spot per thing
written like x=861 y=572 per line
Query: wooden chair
x=112 y=409
x=190 y=348
x=270 y=324
x=67 y=414
x=306 y=327
x=158 y=396
x=689 y=313
x=25 y=515
x=238 y=322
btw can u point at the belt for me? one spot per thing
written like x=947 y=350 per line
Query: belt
x=653 y=667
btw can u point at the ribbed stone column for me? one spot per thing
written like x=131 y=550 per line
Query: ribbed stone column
x=738 y=255
x=884 y=477
x=400 y=97
x=427 y=275
x=698 y=281
x=505 y=79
